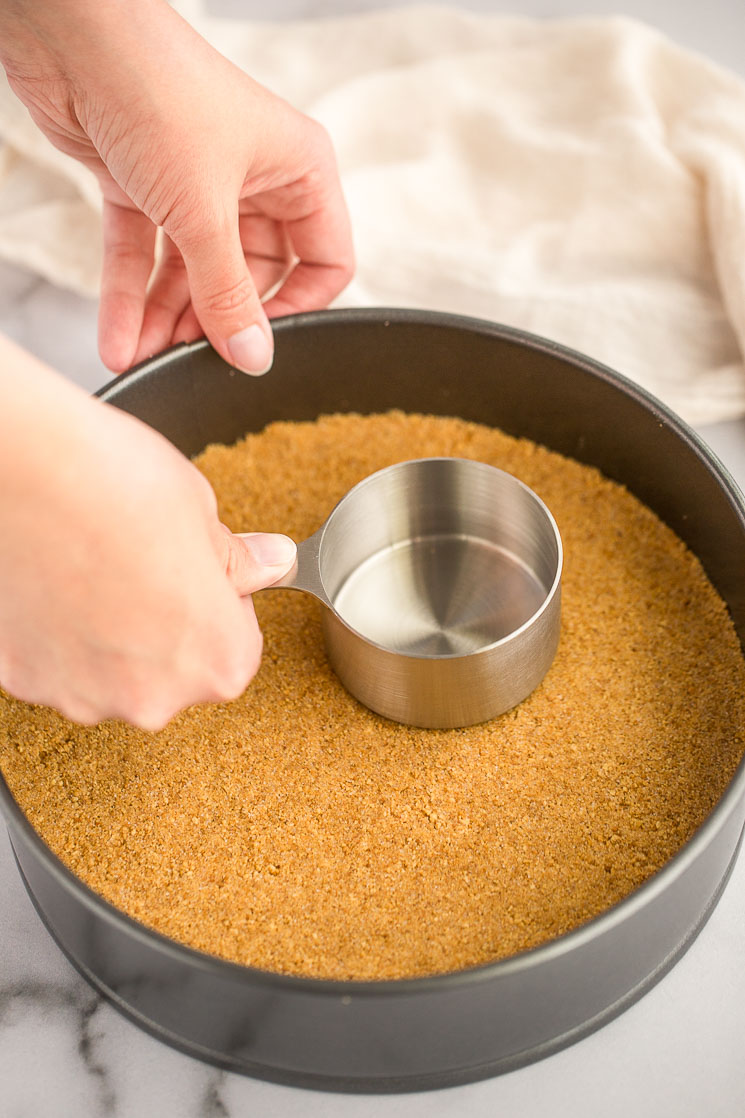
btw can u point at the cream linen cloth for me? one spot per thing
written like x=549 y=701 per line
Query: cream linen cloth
x=582 y=179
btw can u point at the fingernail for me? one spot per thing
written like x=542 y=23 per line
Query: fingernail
x=251 y=351
x=270 y=549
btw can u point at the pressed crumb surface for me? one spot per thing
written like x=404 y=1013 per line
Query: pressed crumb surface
x=296 y=831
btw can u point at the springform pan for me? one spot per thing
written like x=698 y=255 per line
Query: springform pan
x=414 y=1034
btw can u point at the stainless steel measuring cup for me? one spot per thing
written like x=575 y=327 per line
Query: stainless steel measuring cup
x=440 y=580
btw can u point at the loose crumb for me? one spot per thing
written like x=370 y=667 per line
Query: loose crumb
x=295 y=831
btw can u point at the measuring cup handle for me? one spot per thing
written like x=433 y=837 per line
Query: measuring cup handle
x=305 y=573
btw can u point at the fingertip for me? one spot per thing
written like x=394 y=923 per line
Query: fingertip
x=129 y=242
x=252 y=349
x=256 y=560
x=270 y=549
x=118 y=334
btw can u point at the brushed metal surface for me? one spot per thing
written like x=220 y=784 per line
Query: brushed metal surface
x=442 y=577
x=445 y=595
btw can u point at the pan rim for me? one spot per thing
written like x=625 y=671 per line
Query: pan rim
x=531 y=958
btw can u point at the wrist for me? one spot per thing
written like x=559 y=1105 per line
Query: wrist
x=43 y=38
x=38 y=406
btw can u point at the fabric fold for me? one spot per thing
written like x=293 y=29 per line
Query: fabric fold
x=583 y=179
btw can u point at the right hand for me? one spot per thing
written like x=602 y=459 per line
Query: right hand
x=121 y=593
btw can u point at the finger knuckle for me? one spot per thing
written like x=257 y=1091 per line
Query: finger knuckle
x=236 y=675
x=144 y=701
x=235 y=296
x=346 y=271
x=173 y=264
x=149 y=712
x=236 y=560
x=152 y=720
x=319 y=138
x=80 y=712
x=12 y=680
x=17 y=682
x=124 y=253
x=173 y=208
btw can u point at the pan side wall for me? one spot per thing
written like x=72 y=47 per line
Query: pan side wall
x=422 y=1034
x=398 y=1036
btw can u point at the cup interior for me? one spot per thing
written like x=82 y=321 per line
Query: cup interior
x=439 y=557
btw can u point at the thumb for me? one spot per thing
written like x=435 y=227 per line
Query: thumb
x=225 y=299
x=258 y=559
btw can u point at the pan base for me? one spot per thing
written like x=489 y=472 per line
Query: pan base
x=439 y=596
x=384 y=1084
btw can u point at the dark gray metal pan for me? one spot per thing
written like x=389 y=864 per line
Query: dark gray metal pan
x=431 y=1032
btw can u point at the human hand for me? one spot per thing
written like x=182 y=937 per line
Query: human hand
x=122 y=594
x=244 y=187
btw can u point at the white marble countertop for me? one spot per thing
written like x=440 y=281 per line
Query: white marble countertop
x=66 y=1053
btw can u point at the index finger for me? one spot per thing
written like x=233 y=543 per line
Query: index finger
x=321 y=239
